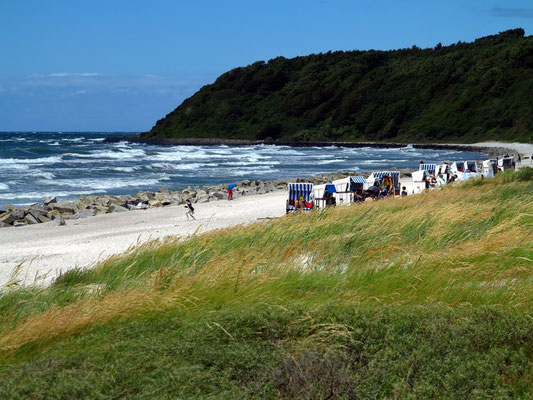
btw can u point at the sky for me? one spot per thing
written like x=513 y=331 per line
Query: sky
x=120 y=65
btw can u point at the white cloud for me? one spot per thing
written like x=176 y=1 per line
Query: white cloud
x=152 y=76
x=69 y=74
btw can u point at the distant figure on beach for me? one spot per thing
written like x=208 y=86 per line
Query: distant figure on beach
x=421 y=162
x=230 y=191
x=440 y=180
x=404 y=191
x=452 y=178
x=190 y=209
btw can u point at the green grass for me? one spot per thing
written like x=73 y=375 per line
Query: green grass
x=423 y=297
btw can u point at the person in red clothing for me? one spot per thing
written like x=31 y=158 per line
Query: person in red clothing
x=230 y=191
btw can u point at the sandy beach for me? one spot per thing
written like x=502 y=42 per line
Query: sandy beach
x=42 y=252
x=47 y=250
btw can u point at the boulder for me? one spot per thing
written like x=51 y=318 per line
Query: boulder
x=43 y=218
x=36 y=213
x=218 y=195
x=101 y=209
x=30 y=220
x=116 y=208
x=86 y=213
x=18 y=223
x=201 y=193
x=155 y=203
x=53 y=214
x=64 y=207
x=3 y=225
x=49 y=200
x=7 y=218
x=18 y=214
x=60 y=221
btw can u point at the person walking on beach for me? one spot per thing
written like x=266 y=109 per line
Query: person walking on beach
x=190 y=209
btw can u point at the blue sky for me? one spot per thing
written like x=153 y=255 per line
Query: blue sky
x=120 y=65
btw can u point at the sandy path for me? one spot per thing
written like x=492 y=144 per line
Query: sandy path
x=521 y=148
x=46 y=250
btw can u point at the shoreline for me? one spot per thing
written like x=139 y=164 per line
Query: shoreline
x=491 y=148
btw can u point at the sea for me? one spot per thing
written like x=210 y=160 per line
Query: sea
x=35 y=165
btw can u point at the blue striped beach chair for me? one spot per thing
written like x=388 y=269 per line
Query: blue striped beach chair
x=295 y=191
x=378 y=176
x=430 y=168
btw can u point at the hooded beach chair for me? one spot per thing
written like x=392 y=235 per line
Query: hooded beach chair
x=378 y=176
x=346 y=188
x=296 y=190
x=324 y=195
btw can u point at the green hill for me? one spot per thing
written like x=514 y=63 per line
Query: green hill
x=463 y=92
x=428 y=296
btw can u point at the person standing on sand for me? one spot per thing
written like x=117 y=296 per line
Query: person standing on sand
x=190 y=209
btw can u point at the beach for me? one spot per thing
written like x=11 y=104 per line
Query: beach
x=40 y=253
x=44 y=251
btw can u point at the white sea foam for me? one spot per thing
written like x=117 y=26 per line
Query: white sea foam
x=4 y=186
x=9 y=162
x=180 y=167
x=41 y=174
x=44 y=194
x=104 y=184
x=323 y=162
x=109 y=154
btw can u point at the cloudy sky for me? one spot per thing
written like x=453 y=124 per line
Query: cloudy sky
x=121 y=65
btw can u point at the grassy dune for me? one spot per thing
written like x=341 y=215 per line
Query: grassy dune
x=426 y=296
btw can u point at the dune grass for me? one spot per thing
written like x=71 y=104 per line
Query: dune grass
x=388 y=299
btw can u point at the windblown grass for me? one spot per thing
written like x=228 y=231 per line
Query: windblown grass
x=465 y=247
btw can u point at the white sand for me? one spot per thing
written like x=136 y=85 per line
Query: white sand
x=521 y=148
x=47 y=250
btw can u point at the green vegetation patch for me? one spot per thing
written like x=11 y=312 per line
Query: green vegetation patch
x=425 y=296
x=290 y=352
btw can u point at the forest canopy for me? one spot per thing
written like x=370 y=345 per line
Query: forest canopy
x=463 y=92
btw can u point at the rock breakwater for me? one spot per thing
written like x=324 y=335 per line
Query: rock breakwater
x=56 y=212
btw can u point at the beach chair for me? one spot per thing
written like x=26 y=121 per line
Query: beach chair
x=324 y=195
x=465 y=170
x=423 y=171
x=345 y=188
x=378 y=176
x=295 y=191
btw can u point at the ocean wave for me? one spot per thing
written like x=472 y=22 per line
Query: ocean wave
x=13 y=162
x=323 y=162
x=4 y=186
x=41 y=174
x=104 y=184
x=109 y=154
x=45 y=194
x=180 y=167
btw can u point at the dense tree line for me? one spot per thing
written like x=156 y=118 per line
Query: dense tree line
x=462 y=92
